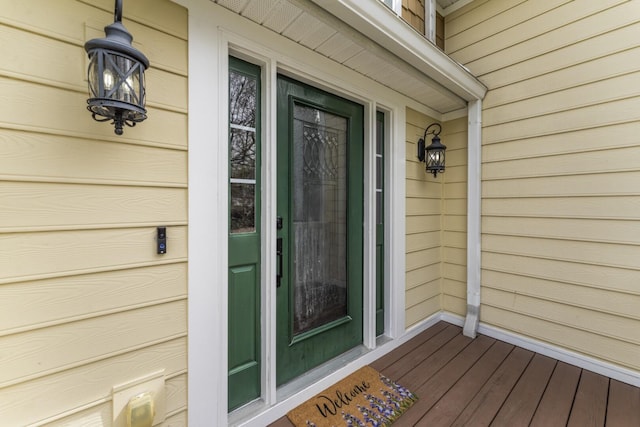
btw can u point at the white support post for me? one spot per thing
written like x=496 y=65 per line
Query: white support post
x=474 y=197
x=208 y=67
x=395 y=229
x=430 y=20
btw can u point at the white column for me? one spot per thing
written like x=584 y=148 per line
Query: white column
x=208 y=223
x=474 y=197
x=430 y=20
x=395 y=226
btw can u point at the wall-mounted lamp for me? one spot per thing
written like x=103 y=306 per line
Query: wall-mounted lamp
x=433 y=155
x=116 y=76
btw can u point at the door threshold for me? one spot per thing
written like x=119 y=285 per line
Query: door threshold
x=316 y=374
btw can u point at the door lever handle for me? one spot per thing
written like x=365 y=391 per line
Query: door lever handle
x=279 y=255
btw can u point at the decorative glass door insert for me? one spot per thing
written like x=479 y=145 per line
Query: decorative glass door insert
x=319 y=217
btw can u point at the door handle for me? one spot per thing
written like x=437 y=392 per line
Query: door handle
x=279 y=255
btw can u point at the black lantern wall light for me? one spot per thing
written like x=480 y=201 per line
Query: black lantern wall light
x=116 y=76
x=432 y=155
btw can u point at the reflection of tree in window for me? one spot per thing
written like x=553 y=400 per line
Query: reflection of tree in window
x=243 y=154
x=242 y=150
x=242 y=96
x=242 y=113
x=242 y=208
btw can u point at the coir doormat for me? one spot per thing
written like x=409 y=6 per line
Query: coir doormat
x=364 y=398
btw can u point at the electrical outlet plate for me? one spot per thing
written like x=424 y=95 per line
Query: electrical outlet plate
x=122 y=393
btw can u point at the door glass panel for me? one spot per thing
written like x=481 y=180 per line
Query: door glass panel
x=243 y=92
x=243 y=106
x=319 y=217
x=242 y=208
x=242 y=154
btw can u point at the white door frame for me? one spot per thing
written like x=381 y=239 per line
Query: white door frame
x=214 y=33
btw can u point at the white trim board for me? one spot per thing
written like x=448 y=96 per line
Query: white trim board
x=592 y=364
x=572 y=358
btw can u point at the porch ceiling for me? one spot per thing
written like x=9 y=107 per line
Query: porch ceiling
x=331 y=33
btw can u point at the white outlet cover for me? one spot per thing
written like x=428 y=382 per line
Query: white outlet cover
x=122 y=393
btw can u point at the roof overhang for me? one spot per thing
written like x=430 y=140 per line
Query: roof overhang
x=371 y=39
x=372 y=19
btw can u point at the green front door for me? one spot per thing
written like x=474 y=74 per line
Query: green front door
x=320 y=227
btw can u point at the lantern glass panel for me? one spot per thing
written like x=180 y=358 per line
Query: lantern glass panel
x=116 y=72
x=435 y=160
x=93 y=76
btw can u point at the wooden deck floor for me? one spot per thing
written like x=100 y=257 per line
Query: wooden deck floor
x=482 y=382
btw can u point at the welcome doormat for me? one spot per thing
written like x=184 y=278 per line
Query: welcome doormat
x=364 y=398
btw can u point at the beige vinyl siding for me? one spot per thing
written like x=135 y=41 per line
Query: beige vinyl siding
x=423 y=228
x=85 y=302
x=561 y=169
x=454 y=289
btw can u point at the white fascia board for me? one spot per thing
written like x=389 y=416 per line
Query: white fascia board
x=377 y=22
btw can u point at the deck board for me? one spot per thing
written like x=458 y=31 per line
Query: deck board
x=486 y=404
x=281 y=422
x=416 y=375
x=406 y=348
x=439 y=384
x=447 y=409
x=420 y=353
x=556 y=403
x=623 y=408
x=523 y=400
x=590 y=403
x=484 y=382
